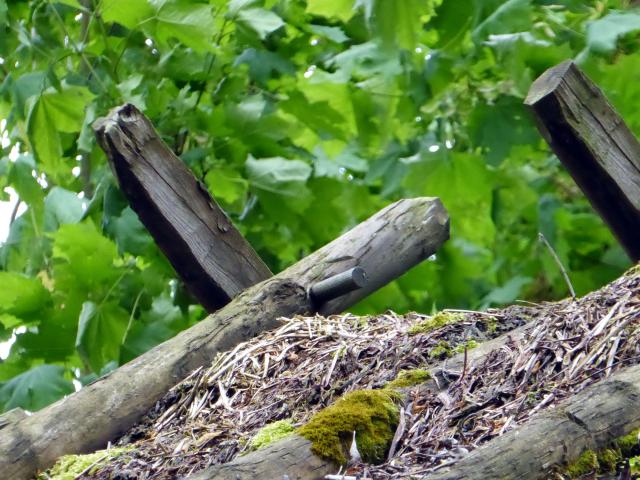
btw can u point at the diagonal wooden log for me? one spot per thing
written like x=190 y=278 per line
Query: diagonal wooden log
x=85 y=421
x=210 y=255
x=594 y=144
x=590 y=420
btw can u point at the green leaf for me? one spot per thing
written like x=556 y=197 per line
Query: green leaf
x=100 y=333
x=130 y=234
x=190 y=23
x=84 y=258
x=126 y=12
x=261 y=21
x=278 y=175
x=35 y=388
x=61 y=207
x=335 y=34
x=507 y=293
x=24 y=183
x=452 y=22
x=603 y=34
x=225 y=184
x=340 y=9
x=51 y=113
x=487 y=124
x=9 y=321
x=71 y=3
x=21 y=295
x=400 y=22
x=153 y=327
x=510 y=16
x=3 y=12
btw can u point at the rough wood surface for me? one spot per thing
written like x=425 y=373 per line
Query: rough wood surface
x=595 y=146
x=303 y=464
x=209 y=254
x=87 y=420
x=291 y=456
x=591 y=419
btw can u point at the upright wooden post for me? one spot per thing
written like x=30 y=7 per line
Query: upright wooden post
x=204 y=247
x=594 y=144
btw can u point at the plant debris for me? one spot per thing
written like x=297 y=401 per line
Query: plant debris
x=308 y=363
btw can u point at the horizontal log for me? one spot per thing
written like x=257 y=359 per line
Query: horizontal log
x=594 y=144
x=302 y=463
x=85 y=421
x=210 y=255
x=591 y=419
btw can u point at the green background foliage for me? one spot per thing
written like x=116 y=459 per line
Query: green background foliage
x=302 y=118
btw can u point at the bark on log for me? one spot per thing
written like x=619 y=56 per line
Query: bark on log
x=85 y=421
x=591 y=419
x=303 y=464
x=291 y=456
x=595 y=146
x=209 y=254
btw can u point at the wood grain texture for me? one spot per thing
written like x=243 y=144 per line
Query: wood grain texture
x=594 y=144
x=210 y=255
x=290 y=456
x=591 y=419
x=87 y=420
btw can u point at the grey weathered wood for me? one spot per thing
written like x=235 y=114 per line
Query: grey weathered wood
x=291 y=456
x=591 y=419
x=12 y=416
x=595 y=146
x=85 y=421
x=209 y=254
x=303 y=464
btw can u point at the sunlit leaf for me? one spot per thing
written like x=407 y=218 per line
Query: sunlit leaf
x=341 y=9
x=261 y=21
x=126 y=12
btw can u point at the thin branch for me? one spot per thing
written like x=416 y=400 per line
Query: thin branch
x=559 y=263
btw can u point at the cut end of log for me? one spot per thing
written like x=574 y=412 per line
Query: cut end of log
x=548 y=82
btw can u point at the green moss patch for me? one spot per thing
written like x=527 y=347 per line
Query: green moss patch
x=69 y=467
x=605 y=460
x=372 y=414
x=270 y=433
x=629 y=444
x=585 y=463
x=438 y=320
x=409 y=378
x=468 y=345
x=441 y=350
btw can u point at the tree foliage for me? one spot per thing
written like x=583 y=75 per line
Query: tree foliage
x=302 y=118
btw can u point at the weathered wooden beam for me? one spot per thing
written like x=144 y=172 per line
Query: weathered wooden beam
x=594 y=144
x=590 y=420
x=210 y=255
x=85 y=421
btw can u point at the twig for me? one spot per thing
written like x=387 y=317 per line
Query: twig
x=559 y=263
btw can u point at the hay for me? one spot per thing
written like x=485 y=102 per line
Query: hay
x=306 y=364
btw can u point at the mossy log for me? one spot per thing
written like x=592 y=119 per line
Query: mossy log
x=301 y=463
x=590 y=420
x=85 y=421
